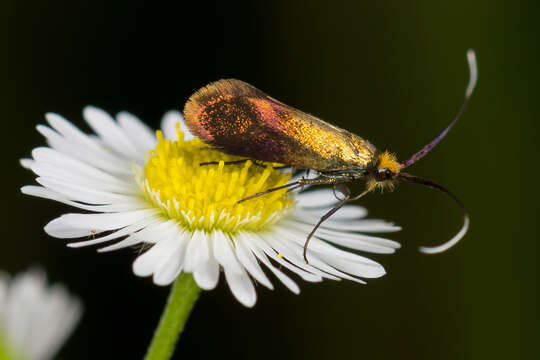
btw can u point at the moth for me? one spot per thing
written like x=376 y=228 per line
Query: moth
x=239 y=119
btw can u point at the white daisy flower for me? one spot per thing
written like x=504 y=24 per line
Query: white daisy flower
x=35 y=318
x=150 y=190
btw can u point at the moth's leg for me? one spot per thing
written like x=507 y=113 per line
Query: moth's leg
x=342 y=188
x=261 y=164
x=323 y=218
x=236 y=162
x=217 y=148
x=346 y=198
x=321 y=180
x=294 y=185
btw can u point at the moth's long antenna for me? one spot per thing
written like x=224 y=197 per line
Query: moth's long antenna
x=454 y=240
x=473 y=76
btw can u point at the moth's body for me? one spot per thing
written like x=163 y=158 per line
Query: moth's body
x=240 y=119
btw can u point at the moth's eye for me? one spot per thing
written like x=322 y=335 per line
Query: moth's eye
x=383 y=174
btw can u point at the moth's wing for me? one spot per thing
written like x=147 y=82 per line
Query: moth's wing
x=240 y=119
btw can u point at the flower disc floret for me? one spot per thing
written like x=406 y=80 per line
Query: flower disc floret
x=205 y=197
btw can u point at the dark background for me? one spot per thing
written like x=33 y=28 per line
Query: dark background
x=393 y=72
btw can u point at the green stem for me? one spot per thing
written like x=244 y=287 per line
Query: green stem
x=183 y=295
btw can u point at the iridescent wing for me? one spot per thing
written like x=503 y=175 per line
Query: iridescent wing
x=240 y=119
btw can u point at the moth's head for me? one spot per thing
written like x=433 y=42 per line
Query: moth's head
x=384 y=173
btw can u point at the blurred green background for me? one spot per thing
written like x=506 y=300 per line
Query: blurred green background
x=391 y=71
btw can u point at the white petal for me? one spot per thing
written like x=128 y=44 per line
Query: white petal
x=58 y=229
x=94 y=223
x=372 y=225
x=280 y=241
x=354 y=268
x=350 y=239
x=49 y=134
x=37 y=318
x=150 y=234
x=69 y=131
x=42 y=192
x=317 y=245
x=130 y=241
x=362 y=242
x=128 y=230
x=346 y=213
x=237 y=278
x=314 y=259
x=47 y=170
x=168 y=125
x=107 y=129
x=100 y=159
x=70 y=164
x=88 y=149
x=256 y=241
x=4 y=279
x=297 y=239
x=293 y=253
x=138 y=132
x=287 y=281
x=224 y=253
x=241 y=287
x=249 y=261
x=57 y=309
x=316 y=198
x=147 y=263
x=27 y=163
x=83 y=193
x=349 y=212
x=207 y=273
x=173 y=261
x=318 y=252
x=197 y=251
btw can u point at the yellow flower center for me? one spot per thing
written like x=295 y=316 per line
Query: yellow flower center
x=206 y=197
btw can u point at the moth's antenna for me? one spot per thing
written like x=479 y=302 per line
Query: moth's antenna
x=473 y=76
x=454 y=240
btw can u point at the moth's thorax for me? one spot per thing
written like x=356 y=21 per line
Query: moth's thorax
x=363 y=153
x=241 y=120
